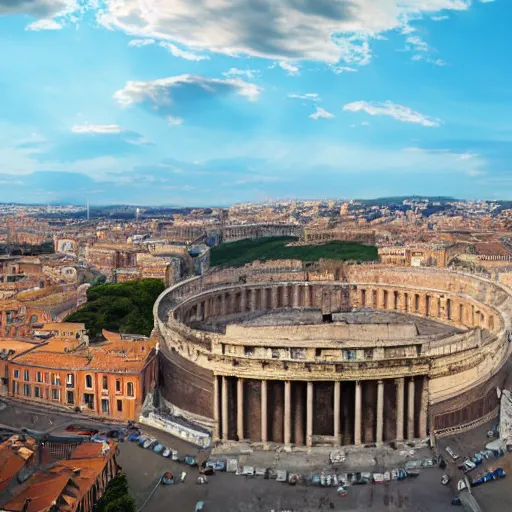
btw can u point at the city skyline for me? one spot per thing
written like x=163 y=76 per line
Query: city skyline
x=138 y=102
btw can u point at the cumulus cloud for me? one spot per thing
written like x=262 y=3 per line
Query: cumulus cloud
x=320 y=113
x=311 y=96
x=182 y=54
x=139 y=43
x=289 y=68
x=343 y=69
x=318 y=30
x=417 y=44
x=178 y=96
x=248 y=73
x=49 y=14
x=388 y=108
x=97 y=128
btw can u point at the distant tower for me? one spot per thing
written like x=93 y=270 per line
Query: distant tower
x=137 y=213
x=88 y=211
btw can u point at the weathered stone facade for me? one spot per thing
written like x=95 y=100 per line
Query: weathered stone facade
x=330 y=382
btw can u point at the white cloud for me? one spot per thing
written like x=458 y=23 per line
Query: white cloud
x=289 y=68
x=429 y=60
x=97 y=128
x=182 y=54
x=49 y=14
x=417 y=44
x=174 y=121
x=320 y=113
x=439 y=18
x=163 y=95
x=388 y=108
x=318 y=30
x=343 y=69
x=248 y=73
x=44 y=24
x=311 y=96
x=139 y=43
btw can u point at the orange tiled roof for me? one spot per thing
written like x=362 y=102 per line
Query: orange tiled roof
x=11 y=460
x=65 y=483
x=120 y=356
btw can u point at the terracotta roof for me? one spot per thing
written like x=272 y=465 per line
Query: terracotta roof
x=60 y=326
x=14 y=454
x=63 y=484
x=118 y=356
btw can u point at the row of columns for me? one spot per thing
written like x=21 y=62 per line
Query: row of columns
x=379 y=428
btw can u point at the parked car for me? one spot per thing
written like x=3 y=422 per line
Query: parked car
x=167 y=452
x=445 y=479
x=451 y=453
x=158 y=448
x=149 y=442
x=167 y=478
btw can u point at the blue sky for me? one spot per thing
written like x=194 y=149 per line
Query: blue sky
x=195 y=102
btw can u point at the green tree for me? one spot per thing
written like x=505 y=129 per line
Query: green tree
x=116 y=497
x=124 y=307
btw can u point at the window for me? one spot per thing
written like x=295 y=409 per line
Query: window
x=249 y=351
x=70 y=380
x=26 y=389
x=118 y=386
x=47 y=378
x=26 y=375
x=349 y=355
x=368 y=353
x=15 y=388
x=130 y=389
x=55 y=379
x=70 y=397
x=16 y=374
x=105 y=408
x=88 y=381
x=55 y=394
x=119 y=406
x=89 y=400
x=105 y=382
x=318 y=352
x=39 y=377
x=37 y=392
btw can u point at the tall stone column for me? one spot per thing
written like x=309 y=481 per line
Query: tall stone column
x=307 y=296
x=264 y=419
x=287 y=412
x=298 y=410
x=286 y=298
x=206 y=308
x=274 y=297
x=223 y=304
x=309 y=415
x=423 y=417
x=357 y=414
x=240 y=408
x=336 y=412
x=225 y=424
x=296 y=296
x=252 y=299
x=216 y=408
x=243 y=300
x=400 y=389
x=263 y=299
x=410 y=410
x=380 y=411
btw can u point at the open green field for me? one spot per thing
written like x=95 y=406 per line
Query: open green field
x=237 y=254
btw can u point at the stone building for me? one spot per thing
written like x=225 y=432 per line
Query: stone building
x=364 y=236
x=269 y=356
x=108 y=380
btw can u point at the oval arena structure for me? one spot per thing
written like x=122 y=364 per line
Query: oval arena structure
x=331 y=354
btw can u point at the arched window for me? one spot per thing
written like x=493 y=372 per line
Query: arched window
x=130 y=389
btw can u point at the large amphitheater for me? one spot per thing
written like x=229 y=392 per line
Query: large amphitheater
x=333 y=354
